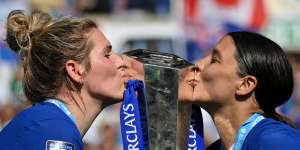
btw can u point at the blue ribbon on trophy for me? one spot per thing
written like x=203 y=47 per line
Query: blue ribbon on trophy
x=133 y=117
x=196 y=136
x=133 y=120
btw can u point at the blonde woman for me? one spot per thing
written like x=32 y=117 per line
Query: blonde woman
x=70 y=75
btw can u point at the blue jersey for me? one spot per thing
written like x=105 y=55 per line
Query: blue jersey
x=42 y=126
x=273 y=135
x=268 y=134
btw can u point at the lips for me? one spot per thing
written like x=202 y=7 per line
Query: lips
x=193 y=82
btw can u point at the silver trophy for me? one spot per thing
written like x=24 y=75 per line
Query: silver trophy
x=168 y=118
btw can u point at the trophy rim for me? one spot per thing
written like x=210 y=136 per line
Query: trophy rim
x=156 y=58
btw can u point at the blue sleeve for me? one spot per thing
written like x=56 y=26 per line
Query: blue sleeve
x=44 y=134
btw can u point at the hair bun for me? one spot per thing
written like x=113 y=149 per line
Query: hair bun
x=18 y=30
x=18 y=20
x=21 y=29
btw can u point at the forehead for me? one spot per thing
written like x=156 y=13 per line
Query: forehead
x=226 y=47
x=97 y=38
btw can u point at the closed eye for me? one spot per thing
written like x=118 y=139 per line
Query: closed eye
x=107 y=51
x=214 y=60
x=215 y=57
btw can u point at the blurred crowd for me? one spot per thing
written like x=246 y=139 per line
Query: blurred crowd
x=105 y=132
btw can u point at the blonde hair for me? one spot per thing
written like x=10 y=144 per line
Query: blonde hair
x=45 y=44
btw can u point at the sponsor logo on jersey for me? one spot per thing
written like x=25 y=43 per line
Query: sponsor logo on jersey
x=59 y=145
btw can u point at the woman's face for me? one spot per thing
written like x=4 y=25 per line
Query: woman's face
x=214 y=78
x=103 y=81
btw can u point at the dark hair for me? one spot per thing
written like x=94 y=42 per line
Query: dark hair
x=264 y=59
x=45 y=44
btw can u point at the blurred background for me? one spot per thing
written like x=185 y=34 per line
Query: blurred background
x=187 y=28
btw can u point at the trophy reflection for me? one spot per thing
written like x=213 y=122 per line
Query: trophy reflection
x=168 y=118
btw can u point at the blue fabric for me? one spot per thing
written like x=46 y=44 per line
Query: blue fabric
x=245 y=129
x=133 y=119
x=63 y=107
x=196 y=135
x=32 y=128
x=270 y=134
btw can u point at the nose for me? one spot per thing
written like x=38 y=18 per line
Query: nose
x=125 y=63
x=201 y=64
x=195 y=69
x=199 y=67
x=118 y=61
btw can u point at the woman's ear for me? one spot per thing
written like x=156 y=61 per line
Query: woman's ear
x=75 y=70
x=246 y=85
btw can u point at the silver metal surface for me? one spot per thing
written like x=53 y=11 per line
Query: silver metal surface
x=168 y=119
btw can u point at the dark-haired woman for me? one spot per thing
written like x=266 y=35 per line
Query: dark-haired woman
x=70 y=75
x=240 y=83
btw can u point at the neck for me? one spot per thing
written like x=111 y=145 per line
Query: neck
x=229 y=118
x=84 y=110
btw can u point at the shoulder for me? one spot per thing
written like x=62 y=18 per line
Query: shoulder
x=272 y=134
x=37 y=114
x=39 y=111
x=39 y=126
x=50 y=133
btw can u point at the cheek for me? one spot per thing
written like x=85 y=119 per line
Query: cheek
x=103 y=70
x=111 y=77
x=209 y=75
x=104 y=79
x=217 y=84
